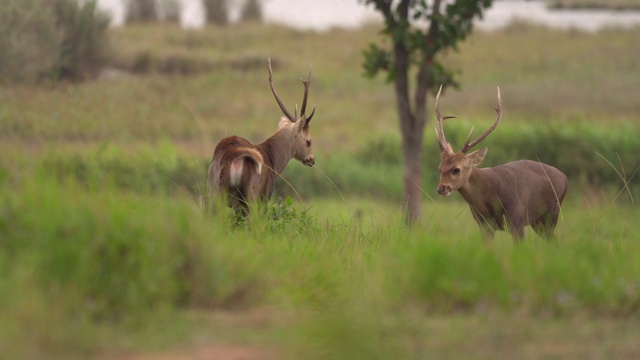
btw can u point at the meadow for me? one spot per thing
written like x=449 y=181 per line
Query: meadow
x=107 y=250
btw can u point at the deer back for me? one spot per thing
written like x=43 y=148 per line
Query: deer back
x=522 y=190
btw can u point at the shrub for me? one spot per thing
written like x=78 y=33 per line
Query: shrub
x=29 y=39
x=83 y=51
x=170 y=10
x=141 y=11
x=251 y=12
x=51 y=39
x=592 y=157
x=216 y=11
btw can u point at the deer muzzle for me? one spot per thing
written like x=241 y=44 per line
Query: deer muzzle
x=309 y=161
x=444 y=190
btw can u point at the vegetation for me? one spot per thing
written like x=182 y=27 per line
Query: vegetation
x=216 y=11
x=108 y=247
x=141 y=11
x=251 y=11
x=58 y=39
x=95 y=260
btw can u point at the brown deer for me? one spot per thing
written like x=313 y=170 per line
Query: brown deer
x=506 y=197
x=244 y=173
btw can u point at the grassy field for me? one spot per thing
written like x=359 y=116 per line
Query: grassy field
x=106 y=252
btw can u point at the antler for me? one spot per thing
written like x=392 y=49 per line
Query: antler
x=468 y=145
x=442 y=141
x=275 y=94
x=304 y=99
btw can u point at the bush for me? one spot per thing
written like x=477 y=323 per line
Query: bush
x=51 y=39
x=141 y=11
x=83 y=51
x=170 y=10
x=114 y=255
x=30 y=41
x=216 y=11
x=592 y=157
x=251 y=12
x=150 y=171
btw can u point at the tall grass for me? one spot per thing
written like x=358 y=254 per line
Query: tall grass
x=92 y=261
x=226 y=61
x=598 y=161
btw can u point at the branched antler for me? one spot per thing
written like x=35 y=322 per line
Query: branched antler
x=442 y=141
x=468 y=145
x=275 y=94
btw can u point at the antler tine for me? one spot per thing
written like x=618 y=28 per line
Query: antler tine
x=310 y=116
x=442 y=141
x=306 y=92
x=275 y=94
x=467 y=145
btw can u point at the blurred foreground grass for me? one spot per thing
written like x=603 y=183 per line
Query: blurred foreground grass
x=83 y=267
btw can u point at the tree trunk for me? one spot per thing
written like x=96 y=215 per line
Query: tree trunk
x=412 y=197
x=411 y=124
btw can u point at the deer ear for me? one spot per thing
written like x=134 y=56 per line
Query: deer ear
x=477 y=157
x=283 y=122
x=301 y=124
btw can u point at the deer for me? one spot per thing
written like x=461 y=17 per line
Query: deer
x=507 y=197
x=245 y=173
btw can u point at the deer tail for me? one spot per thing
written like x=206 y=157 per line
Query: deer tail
x=237 y=165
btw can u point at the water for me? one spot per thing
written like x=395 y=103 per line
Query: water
x=322 y=15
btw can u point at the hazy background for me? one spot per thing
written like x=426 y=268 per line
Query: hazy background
x=325 y=14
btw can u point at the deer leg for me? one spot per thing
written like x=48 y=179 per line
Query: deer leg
x=516 y=220
x=488 y=232
x=487 y=225
x=517 y=233
x=545 y=225
x=516 y=229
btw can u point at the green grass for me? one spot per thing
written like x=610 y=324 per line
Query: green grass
x=105 y=248
x=230 y=99
x=102 y=261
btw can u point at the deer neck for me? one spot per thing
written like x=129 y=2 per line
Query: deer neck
x=476 y=188
x=277 y=150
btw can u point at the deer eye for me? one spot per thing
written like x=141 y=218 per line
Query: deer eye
x=308 y=143
x=455 y=171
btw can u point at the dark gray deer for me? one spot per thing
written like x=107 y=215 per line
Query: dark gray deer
x=243 y=172
x=506 y=197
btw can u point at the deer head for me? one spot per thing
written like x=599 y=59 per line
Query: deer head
x=298 y=127
x=455 y=167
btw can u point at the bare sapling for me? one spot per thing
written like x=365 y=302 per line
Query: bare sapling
x=507 y=197
x=243 y=173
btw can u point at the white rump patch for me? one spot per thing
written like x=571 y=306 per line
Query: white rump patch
x=237 y=166
x=235 y=173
